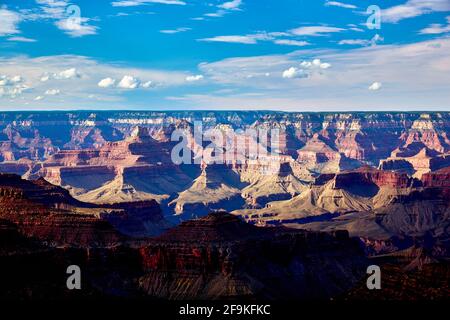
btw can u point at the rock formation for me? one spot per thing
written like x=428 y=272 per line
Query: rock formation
x=221 y=257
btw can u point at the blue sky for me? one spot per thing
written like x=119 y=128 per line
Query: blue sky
x=297 y=55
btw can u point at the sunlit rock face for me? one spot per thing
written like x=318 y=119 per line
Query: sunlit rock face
x=108 y=157
x=49 y=213
x=106 y=185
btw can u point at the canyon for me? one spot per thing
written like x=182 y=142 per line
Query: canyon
x=109 y=157
x=218 y=256
x=337 y=190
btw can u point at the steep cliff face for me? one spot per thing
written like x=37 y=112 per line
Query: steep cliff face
x=359 y=190
x=49 y=213
x=216 y=257
x=221 y=257
x=368 y=176
x=417 y=164
x=107 y=157
x=439 y=178
x=34 y=269
x=420 y=213
x=423 y=131
x=48 y=219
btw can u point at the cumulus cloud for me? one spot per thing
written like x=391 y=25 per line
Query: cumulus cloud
x=291 y=73
x=340 y=4
x=345 y=84
x=7 y=80
x=67 y=74
x=106 y=83
x=9 y=21
x=39 y=98
x=194 y=78
x=12 y=86
x=375 y=86
x=52 y=92
x=77 y=77
x=413 y=8
x=128 y=82
x=315 y=64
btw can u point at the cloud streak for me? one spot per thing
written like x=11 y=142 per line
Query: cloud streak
x=437 y=28
x=340 y=4
x=413 y=8
x=9 y=21
x=135 y=3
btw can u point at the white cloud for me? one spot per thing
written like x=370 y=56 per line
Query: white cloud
x=12 y=86
x=437 y=28
x=342 y=87
x=288 y=42
x=133 y=3
x=315 y=64
x=375 y=86
x=292 y=72
x=128 y=82
x=315 y=30
x=177 y=30
x=232 y=39
x=8 y=22
x=352 y=42
x=106 y=83
x=231 y=5
x=16 y=79
x=76 y=29
x=76 y=84
x=363 y=42
x=414 y=8
x=52 y=92
x=225 y=8
x=279 y=38
x=217 y=14
x=340 y=4
x=194 y=78
x=147 y=84
x=66 y=17
x=39 y=98
x=67 y=74
x=21 y=39
x=256 y=37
